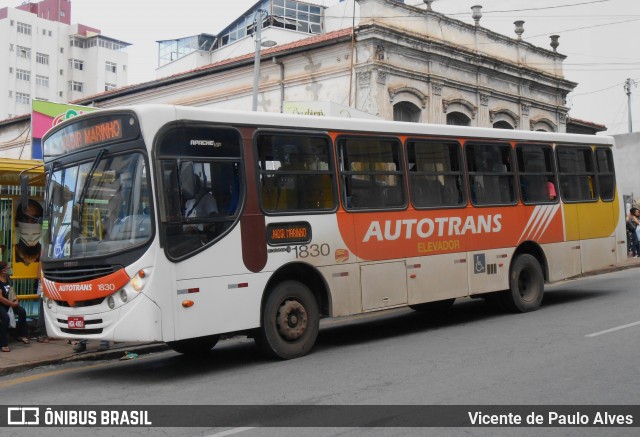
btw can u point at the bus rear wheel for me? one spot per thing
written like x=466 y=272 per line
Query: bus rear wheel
x=194 y=346
x=526 y=285
x=290 y=321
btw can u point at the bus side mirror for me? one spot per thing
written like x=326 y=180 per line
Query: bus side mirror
x=24 y=191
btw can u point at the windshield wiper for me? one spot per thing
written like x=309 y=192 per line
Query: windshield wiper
x=85 y=186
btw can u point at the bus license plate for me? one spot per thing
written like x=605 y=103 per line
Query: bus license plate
x=75 y=322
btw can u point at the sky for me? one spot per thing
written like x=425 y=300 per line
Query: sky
x=601 y=39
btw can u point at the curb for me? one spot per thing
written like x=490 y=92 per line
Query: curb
x=113 y=353
x=87 y=356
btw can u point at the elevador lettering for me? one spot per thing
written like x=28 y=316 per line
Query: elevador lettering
x=390 y=230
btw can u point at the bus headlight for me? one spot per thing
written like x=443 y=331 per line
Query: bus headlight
x=138 y=281
x=130 y=291
x=49 y=303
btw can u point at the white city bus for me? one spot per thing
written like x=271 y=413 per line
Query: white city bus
x=313 y=217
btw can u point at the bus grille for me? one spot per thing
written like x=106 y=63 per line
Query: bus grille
x=78 y=274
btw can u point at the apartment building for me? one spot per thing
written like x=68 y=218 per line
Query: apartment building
x=48 y=58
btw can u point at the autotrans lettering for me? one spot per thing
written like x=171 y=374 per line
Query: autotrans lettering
x=75 y=287
x=407 y=229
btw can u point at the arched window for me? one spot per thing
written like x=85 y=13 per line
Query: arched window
x=543 y=125
x=406 y=111
x=458 y=119
x=502 y=125
x=504 y=119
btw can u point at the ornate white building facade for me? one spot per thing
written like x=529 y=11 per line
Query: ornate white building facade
x=393 y=61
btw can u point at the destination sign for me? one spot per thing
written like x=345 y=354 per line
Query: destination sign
x=288 y=233
x=89 y=132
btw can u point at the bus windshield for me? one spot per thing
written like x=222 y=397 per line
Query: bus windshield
x=98 y=207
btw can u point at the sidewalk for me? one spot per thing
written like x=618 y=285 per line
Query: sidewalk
x=27 y=356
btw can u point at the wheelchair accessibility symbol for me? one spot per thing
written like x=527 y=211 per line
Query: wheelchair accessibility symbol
x=479 y=265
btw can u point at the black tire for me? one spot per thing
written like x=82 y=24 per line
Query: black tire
x=194 y=346
x=526 y=286
x=434 y=308
x=290 y=321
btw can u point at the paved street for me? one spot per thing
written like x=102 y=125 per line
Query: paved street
x=579 y=348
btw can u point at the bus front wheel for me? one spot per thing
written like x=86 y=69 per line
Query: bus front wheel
x=526 y=285
x=194 y=346
x=290 y=321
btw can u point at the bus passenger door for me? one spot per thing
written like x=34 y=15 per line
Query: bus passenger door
x=383 y=285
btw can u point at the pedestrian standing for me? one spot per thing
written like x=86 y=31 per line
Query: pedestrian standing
x=633 y=220
x=9 y=300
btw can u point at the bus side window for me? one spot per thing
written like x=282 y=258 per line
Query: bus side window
x=371 y=173
x=536 y=173
x=295 y=172
x=577 y=173
x=606 y=173
x=436 y=174
x=491 y=174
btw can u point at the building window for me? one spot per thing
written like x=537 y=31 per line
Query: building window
x=50 y=33
x=42 y=58
x=406 y=111
x=458 y=119
x=111 y=45
x=502 y=125
x=10 y=94
x=61 y=72
x=10 y=70
x=23 y=75
x=24 y=52
x=24 y=28
x=111 y=66
x=42 y=81
x=44 y=32
x=109 y=86
x=299 y=16
x=77 y=42
x=75 y=86
x=76 y=63
x=23 y=98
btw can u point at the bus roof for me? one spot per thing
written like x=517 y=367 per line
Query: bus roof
x=277 y=120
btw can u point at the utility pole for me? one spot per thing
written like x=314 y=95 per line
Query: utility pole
x=627 y=88
x=256 y=62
